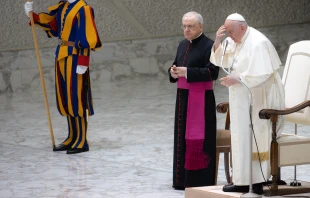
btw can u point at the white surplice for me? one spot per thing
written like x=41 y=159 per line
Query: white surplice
x=256 y=61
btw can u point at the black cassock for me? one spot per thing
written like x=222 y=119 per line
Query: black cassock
x=195 y=56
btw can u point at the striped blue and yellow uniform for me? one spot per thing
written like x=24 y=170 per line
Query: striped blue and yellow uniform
x=73 y=22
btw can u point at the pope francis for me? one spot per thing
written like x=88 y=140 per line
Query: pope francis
x=252 y=58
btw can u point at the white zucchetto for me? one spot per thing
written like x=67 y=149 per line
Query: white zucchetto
x=235 y=17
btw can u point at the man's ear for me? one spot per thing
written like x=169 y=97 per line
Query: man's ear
x=242 y=27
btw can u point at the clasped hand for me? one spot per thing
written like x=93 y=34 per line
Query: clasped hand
x=228 y=81
x=177 y=72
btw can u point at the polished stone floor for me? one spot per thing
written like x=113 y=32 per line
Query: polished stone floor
x=131 y=144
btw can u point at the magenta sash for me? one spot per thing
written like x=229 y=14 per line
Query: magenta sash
x=195 y=158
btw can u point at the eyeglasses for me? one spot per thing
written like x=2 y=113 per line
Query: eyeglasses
x=190 y=27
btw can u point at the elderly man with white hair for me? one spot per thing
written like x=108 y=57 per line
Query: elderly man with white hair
x=252 y=58
x=195 y=115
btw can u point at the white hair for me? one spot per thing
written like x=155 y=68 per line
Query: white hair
x=196 y=15
x=243 y=23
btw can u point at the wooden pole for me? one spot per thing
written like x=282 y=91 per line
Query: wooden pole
x=35 y=40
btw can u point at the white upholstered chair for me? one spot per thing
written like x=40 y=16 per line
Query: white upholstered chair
x=292 y=149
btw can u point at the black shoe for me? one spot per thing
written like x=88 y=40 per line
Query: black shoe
x=62 y=147
x=77 y=150
x=234 y=188
x=257 y=188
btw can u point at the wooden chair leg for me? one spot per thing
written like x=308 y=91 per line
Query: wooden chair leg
x=226 y=164
x=217 y=159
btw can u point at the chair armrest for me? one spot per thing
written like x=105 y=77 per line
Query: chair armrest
x=268 y=113
x=222 y=107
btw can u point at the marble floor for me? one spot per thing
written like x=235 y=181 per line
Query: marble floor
x=131 y=144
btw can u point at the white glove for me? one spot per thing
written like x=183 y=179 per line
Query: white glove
x=80 y=69
x=28 y=7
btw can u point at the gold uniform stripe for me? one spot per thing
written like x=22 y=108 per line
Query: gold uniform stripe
x=68 y=84
x=69 y=140
x=63 y=13
x=86 y=52
x=83 y=133
x=91 y=32
x=46 y=18
x=50 y=34
x=54 y=7
x=60 y=66
x=69 y=19
x=77 y=126
x=63 y=50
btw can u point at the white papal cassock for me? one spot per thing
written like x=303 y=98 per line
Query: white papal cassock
x=256 y=61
